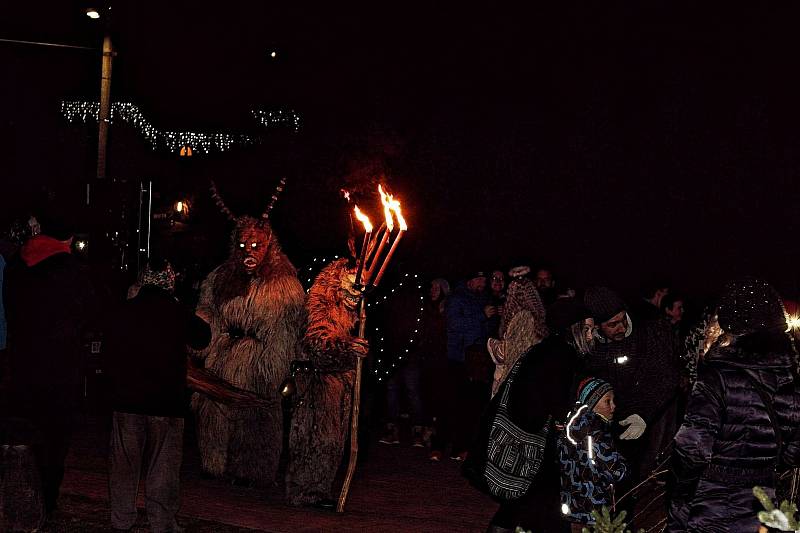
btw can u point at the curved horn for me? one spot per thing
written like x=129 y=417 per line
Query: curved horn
x=278 y=191
x=218 y=200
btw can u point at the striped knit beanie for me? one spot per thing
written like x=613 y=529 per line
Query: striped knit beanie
x=590 y=390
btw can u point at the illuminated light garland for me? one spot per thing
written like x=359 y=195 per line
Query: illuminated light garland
x=308 y=274
x=174 y=141
x=386 y=372
x=278 y=117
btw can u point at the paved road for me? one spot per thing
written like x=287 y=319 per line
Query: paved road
x=395 y=489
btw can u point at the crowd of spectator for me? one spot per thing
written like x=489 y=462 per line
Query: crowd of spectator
x=630 y=394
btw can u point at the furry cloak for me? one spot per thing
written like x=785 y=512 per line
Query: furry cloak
x=321 y=417
x=256 y=319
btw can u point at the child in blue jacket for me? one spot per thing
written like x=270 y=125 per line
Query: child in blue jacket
x=590 y=463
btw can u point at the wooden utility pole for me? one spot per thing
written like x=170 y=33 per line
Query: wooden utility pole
x=104 y=119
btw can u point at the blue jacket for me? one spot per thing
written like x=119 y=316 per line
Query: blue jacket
x=466 y=322
x=587 y=481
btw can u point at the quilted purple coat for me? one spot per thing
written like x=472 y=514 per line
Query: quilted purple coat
x=727 y=443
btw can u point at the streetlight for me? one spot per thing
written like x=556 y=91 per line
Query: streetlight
x=92 y=13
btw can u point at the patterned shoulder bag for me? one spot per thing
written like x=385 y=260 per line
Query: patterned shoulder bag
x=514 y=456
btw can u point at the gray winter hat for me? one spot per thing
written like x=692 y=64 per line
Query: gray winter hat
x=603 y=303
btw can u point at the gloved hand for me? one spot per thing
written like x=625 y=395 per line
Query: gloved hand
x=636 y=427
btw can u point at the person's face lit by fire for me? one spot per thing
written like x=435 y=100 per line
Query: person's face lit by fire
x=615 y=327
x=251 y=247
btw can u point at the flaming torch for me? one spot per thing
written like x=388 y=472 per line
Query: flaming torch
x=370 y=262
x=390 y=205
x=364 y=219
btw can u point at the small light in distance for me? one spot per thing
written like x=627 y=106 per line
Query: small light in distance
x=92 y=13
x=80 y=245
x=273 y=54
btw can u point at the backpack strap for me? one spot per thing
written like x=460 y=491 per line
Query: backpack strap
x=508 y=382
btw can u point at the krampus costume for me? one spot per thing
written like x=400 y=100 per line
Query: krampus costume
x=321 y=418
x=254 y=304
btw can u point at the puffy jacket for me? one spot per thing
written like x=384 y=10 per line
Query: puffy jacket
x=587 y=481
x=727 y=443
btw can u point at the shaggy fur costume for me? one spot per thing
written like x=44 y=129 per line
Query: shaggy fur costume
x=320 y=423
x=255 y=306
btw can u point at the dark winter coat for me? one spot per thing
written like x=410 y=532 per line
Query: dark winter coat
x=48 y=306
x=466 y=322
x=644 y=311
x=727 y=443
x=399 y=317
x=146 y=353
x=541 y=388
x=493 y=322
x=3 y=327
x=433 y=333
x=642 y=368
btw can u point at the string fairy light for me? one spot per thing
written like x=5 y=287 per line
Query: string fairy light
x=199 y=142
x=310 y=272
x=278 y=117
x=385 y=363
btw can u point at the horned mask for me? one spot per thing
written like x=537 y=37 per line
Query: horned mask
x=252 y=237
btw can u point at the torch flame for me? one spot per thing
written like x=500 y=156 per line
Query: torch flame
x=387 y=210
x=390 y=205
x=364 y=219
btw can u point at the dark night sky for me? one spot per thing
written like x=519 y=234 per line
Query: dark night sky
x=611 y=141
